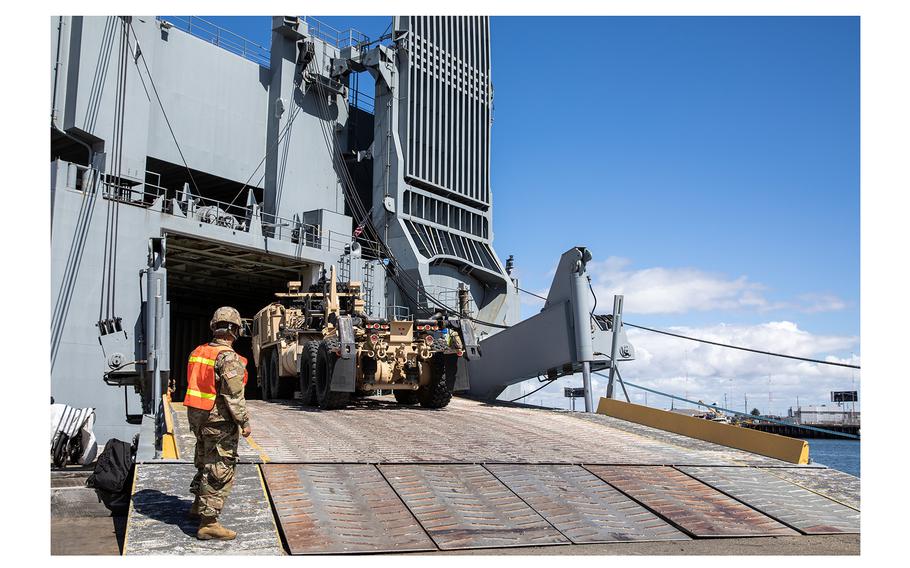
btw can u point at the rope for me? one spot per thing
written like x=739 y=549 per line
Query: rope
x=760 y=417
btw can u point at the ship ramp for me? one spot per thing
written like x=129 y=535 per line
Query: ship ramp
x=379 y=477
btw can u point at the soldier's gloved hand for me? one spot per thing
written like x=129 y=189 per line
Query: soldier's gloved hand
x=246 y=431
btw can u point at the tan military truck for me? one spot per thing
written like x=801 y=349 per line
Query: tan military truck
x=324 y=339
x=280 y=330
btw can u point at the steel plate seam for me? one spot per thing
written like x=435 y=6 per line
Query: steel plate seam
x=268 y=498
x=129 y=514
x=340 y=509
x=403 y=502
x=754 y=508
x=512 y=491
x=465 y=507
x=274 y=510
x=807 y=488
x=802 y=510
x=668 y=520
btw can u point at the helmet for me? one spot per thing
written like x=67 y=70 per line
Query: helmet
x=226 y=314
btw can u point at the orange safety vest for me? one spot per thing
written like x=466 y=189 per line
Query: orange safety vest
x=201 y=389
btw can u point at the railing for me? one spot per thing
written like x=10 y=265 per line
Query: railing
x=257 y=53
x=448 y=297
x=360 y=99
x=223 y=38
x=399 y=313
x=334 y=36
x=231 y=216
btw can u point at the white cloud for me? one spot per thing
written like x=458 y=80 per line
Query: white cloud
x=705 y=372
x=814 y=303
x=660 y=290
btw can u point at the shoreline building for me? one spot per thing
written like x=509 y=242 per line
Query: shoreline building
x=822 y=415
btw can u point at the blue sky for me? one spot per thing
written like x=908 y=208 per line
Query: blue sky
x=710 y=164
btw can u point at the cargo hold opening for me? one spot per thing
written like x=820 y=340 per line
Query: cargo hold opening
x=205 y=275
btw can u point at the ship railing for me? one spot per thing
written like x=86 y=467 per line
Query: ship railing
x=360 y=99
x=332 y=35
x=343 y=38
x=223 y=38
x=446 y=296
x=398 y=313
x=257 y=53
x=131 y=191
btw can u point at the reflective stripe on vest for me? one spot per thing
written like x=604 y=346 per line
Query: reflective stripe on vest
x=201 y=389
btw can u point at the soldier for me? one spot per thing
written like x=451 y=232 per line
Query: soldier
x=216 y=411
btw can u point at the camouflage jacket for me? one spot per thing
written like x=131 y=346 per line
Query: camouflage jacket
x=230 y=405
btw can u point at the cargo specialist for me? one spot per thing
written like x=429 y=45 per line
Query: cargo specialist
x=216 y=410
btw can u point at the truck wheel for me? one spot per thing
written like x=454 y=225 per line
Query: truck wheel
x=284 y=387
x=265 y=381
x=325 y=366
x=405 y=396
x=436 y=393
x=308 y=373
x=275 y=387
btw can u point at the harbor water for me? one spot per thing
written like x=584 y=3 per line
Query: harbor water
x=842 y=455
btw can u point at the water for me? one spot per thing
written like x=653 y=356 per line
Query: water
x=842 y=455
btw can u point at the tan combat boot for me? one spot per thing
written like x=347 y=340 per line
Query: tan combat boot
x=211 y=529
x=194 y=510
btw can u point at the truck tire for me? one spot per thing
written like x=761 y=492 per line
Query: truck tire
x=325 y=365
x=283 y=387
x=436 y=393
x=265 y=381
x=308 y=373
x=275 y=386
x=408 y=397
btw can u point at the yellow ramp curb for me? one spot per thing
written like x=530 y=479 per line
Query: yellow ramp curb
x=783 y=448
x=168 y=443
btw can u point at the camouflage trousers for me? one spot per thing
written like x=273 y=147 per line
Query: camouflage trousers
x=215 y=460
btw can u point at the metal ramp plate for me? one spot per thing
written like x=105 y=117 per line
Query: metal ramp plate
x=581 y=506
x=158 y=524
x=326 y=508
x=808 y=512
x=836 y=485
x=687 y=503
x=466 y=431
x=465 y=506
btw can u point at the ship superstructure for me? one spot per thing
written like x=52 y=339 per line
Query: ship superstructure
x=192 y=168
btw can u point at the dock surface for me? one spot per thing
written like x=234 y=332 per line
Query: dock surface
x=379 y=477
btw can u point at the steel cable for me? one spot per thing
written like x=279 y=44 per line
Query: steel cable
x=546 y=384
x=161 y=106
x=718 y=344
x=728 y=346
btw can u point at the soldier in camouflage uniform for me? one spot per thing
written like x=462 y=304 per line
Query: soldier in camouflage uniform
x=217 y=414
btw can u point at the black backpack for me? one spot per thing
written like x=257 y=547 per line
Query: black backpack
x=112 y=478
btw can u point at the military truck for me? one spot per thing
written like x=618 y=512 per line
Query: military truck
x=277 y=328
x=321 y=343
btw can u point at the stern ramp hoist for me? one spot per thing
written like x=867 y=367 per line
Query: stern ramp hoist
x=565 y=338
